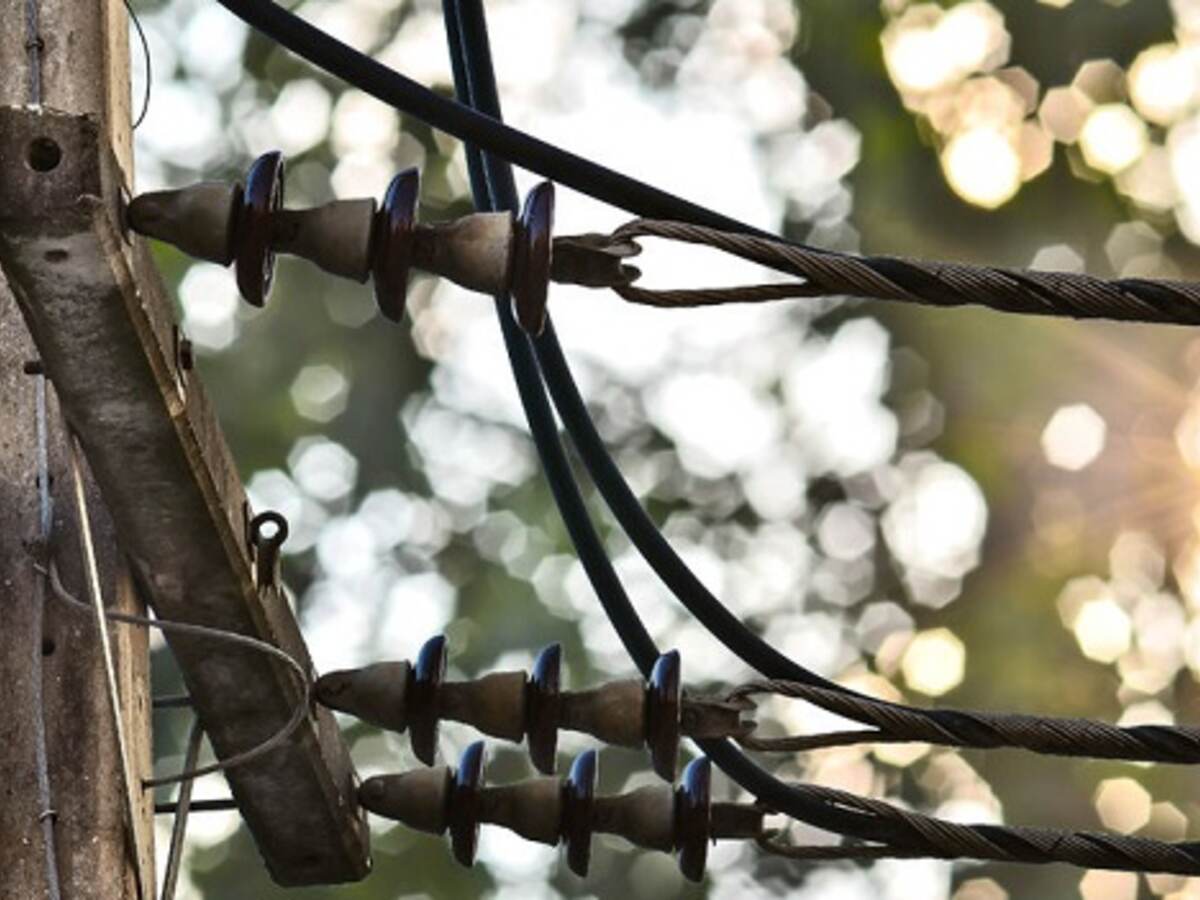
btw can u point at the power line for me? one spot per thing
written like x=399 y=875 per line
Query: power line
x=492 y=184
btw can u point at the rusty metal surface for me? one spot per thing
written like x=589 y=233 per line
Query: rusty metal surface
x=103 y=327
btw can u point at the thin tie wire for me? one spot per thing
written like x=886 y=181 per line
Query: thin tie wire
x=299 y=712
x=182 y=808
x=137 y=24
x=772 y=842
x=46 y=814
x=218 y=804
x=92 y=579
x=172 y=701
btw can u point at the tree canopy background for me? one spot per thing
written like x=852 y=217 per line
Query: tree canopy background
x=953 y=507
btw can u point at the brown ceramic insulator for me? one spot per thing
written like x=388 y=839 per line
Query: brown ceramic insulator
x=579 y=795
x=200 y=220
x=693 y=818
x=335 y=237
x=542 y=698
x=391 y=253
x=464 y=804
x=494 y=703
x=681 y=820
x=531 y=259
x=262 y=197
x=531 y=808
x=422 y=698
x=419 y=798
x=376 y=693
x=664 y=699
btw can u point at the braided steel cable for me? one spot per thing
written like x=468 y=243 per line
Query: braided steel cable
x=894 y=723
x=936 y=838
x=1025 y=291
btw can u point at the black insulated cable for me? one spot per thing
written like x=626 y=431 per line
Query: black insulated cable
x=470 y=125
x=493 y=185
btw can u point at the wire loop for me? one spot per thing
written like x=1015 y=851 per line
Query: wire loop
x=167 y=626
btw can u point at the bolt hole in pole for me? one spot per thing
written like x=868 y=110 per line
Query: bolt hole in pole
x=48 y=647
x=44 y=154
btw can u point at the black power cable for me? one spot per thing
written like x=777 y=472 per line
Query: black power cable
x=720 y=621
x=486 y=131
x=471 y=125
x=459 y=119
x=494 y=189
x=963 y=728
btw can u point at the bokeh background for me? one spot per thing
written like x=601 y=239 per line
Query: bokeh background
x=947 y=507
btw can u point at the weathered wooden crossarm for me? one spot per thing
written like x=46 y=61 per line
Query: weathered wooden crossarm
x=104 y=328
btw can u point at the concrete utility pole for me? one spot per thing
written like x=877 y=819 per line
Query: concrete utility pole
x=103 y=325
x=73 y=56
x=94 y=850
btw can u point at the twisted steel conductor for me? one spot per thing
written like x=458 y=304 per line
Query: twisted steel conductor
x=896 y=723
x=1027 y=291
x=927 y=836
